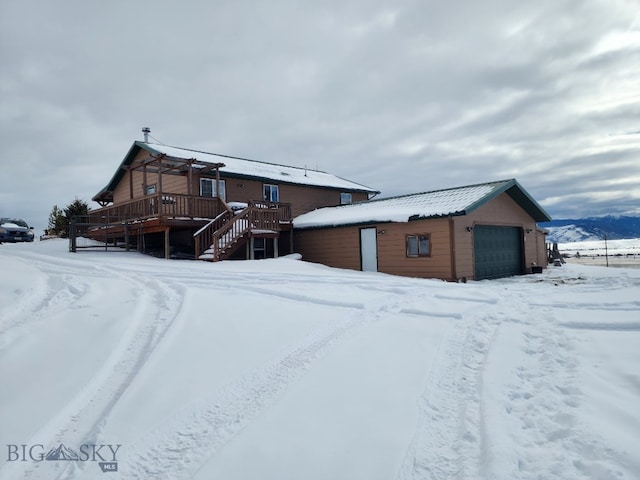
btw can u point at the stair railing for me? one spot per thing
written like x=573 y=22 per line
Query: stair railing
x=230 y=232
x=204 y=237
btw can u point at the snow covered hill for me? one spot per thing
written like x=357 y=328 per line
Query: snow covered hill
x=592 y=228
x=289 y=370
x=569 y=234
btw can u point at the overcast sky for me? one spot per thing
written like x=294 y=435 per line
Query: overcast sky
x=404 y=96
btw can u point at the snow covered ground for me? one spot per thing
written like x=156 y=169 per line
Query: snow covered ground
x=281 y=369
x=624 y=253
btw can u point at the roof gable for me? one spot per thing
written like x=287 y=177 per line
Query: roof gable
x=433 y=204
x=237 y=167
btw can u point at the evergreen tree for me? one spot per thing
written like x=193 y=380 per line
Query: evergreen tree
x=59 y=219
x=77 y=207
x=56 y=221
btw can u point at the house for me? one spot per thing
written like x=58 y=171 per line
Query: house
x=177 y=202
x=472 y=232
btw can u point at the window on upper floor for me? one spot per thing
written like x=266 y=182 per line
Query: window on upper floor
x=418 y=245
x=271 y=193
x=345 y=198
x=208 y=188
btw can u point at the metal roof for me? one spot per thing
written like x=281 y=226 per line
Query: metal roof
x=433 y=204
x=235 y=167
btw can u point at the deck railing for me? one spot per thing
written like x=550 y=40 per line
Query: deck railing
x=270 y=215
x=225 y=230
x=159 y=205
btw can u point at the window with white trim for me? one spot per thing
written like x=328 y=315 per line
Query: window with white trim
x=208 y=188
x=345 y=198
x=418 y=245
x=151 y=189
x=271 y=193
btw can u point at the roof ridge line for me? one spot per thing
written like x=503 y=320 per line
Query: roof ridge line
x=405 y=195
x=237 y=158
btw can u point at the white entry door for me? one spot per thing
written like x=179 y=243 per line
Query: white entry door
x=368 y=250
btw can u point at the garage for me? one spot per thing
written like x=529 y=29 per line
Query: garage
x=497 y=251
x=474 y=232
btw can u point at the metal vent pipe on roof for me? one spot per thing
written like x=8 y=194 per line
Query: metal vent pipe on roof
x=146 y=131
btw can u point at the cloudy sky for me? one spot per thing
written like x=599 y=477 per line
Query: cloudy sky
x=403 y=96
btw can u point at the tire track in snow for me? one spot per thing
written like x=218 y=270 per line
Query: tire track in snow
x=449 y=442
x=40 y=302
x=534 y=428
x=542 y=408
x=609 y=307
x=183 y=444
x=158 y=305
x=541 y=400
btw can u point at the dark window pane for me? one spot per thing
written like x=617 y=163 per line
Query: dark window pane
x=424 y=245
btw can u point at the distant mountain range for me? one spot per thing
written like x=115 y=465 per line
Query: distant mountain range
x=593 y=228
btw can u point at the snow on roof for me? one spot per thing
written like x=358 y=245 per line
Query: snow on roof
x=264 y=170
x=454 y=201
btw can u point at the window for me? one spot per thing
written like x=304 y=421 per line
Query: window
x=208 y=188
x=345 y=198
x=271 y=193
x=418 y=246
x=151 y=189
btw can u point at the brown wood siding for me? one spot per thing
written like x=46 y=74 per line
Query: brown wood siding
x=303 y=198
x=340 y=247
x=172 y=182
x=335 y=247
x=392 y=253
x=501 y=211
x=541 y=243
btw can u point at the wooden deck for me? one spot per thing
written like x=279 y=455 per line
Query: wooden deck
x=126 y=224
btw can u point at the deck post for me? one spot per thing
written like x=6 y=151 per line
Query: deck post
x=252 y=254
x=144 y=179
x=166 y=243
x=160 y=176
x=126 y=236
x=275 y=247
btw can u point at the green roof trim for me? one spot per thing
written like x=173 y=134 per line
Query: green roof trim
x=512 y=188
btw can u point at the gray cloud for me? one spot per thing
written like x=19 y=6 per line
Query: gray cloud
x=403 y=97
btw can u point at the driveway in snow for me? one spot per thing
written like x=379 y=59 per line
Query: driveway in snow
x=284 y=369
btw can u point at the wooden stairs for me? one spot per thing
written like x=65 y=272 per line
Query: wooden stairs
x=223 y=235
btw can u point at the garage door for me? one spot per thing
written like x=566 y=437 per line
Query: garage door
x=497 y=251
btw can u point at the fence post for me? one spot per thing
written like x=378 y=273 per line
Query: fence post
x=72 y=235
